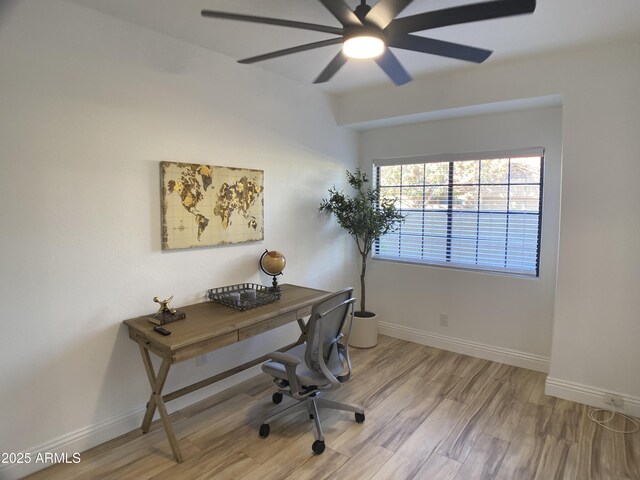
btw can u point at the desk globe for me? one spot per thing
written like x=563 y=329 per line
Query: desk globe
x=273 y=263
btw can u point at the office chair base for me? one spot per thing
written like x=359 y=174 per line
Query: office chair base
x=313 y=404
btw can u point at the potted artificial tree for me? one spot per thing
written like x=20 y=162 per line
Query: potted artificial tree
x=366 y=217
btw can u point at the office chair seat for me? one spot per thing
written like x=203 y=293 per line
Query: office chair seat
x=305 y=375
x=319 y=365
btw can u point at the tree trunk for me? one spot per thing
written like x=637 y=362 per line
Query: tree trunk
x=362 y=288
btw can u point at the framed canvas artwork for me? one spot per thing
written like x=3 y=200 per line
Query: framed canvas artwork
x=207 y=205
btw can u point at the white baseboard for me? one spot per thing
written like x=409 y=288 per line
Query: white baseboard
x=78 y=441
x=466 y=347
x=588 y=395
x=93 y=435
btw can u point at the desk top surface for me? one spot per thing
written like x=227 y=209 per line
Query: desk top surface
x=209 y=319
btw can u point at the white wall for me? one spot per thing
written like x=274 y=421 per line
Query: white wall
x=596 y=327
x=90 y=106
x=493 y=310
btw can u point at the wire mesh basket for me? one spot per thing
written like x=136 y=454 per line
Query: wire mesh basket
x=240 y=296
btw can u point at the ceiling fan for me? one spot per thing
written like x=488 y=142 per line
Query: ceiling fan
x=368 y=32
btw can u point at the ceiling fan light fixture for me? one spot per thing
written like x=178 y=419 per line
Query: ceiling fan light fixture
x=363 y=46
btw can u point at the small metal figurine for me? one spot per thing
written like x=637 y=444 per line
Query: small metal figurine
x=165 y=313
x=164 y=305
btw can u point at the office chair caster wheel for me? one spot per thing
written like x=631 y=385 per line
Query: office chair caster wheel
x=264 y=430
x=318 y=447
x=360 y=417
x=276 y=398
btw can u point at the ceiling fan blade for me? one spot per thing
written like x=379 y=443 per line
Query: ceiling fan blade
x=383 y=12
x=440 y=48
x=392 y=67
x=462 y=14
x=288 y=51
x=330 y=70
x=342 y=12
x=272 y=21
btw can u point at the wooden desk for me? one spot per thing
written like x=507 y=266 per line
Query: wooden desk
x=210 y=326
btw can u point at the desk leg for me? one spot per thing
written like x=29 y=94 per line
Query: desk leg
x=304 y=329
x=151 y=404
x=157 y=384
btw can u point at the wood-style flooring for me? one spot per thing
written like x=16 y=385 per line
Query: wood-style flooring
x=431 y=414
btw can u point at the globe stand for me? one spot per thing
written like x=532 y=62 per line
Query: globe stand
x=274 y=285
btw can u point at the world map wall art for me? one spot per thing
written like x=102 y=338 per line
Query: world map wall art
x=205 y=205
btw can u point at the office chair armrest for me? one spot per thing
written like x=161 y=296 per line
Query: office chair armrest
x=284 y=358
x=290 y=363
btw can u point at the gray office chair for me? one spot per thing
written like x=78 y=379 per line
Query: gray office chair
x=321 y=363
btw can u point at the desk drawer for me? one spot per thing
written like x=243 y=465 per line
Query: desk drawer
x=266 y=325
x=204 y=346
x=149 y=344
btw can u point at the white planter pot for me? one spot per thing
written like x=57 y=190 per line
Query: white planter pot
x=364 y=332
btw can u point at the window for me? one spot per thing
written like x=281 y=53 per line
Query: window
x=478 y=211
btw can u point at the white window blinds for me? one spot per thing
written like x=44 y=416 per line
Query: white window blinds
x=479 y=211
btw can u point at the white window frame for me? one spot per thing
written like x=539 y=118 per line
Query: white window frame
x=456 y=157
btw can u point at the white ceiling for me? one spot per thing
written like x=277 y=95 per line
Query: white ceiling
x=556 y=24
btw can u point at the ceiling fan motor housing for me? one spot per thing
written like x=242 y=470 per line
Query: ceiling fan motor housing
x=364 y=31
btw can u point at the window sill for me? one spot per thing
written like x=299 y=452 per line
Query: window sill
x=524 y=276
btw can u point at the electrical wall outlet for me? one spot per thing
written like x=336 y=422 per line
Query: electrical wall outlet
x=613 y=400
x=444 y=319
x=202 y=360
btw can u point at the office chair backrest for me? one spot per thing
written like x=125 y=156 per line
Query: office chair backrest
x=332 y=312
